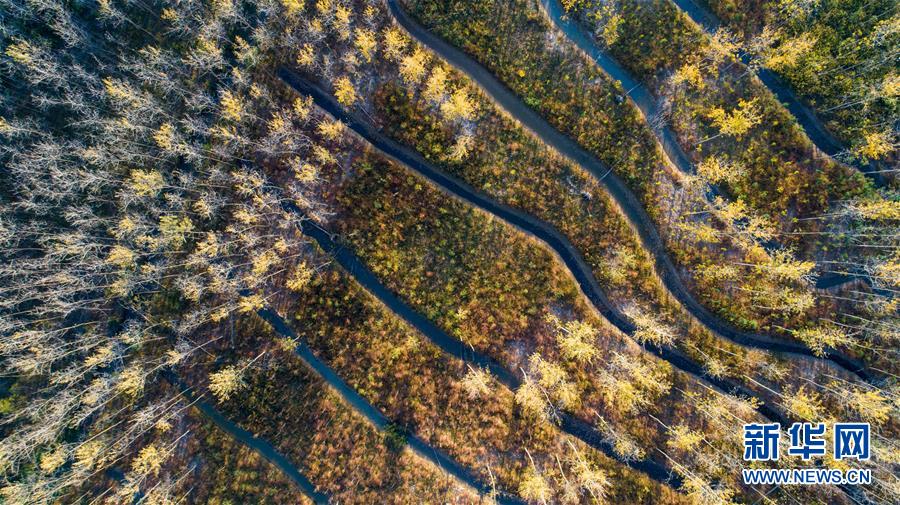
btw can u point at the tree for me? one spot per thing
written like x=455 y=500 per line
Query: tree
x=344 y=91
x=689 y=73
x=589 y=477
x=649 y=329
x=870 y=405
x=458 y=107
x=436 y=86
x=395 y=43
x=331 y=130
x=412 y=67
x=790 y=51
x=623 y=444
x=131 y=381
x=876 y=145
x=683 y=439
x=623 y=265
x=226 y=382
x=532 y=400
x=737 y=122
x=461 y=147
x=476 y=382
x=366 y=43
x=723 y=46
x=306 y=56
x=148 y=461
x=300 y=277
x=534 y=486
x=818 y=339
x=342 y=15
x=806 y=405
x=292 y=8
x=716 y=169
x=232 y=106
x=554 y=381
x=165 y=137
x=783 y=266
x=54 y=459
x=575 y=339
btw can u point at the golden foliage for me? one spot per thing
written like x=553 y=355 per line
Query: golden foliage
x=395 y=42
x=737 y=122
x=22 y=52
x=331 y=130
x=52 y=460
x=806 y=405
x=682 y=438
x=175 y=230
x=436 y=85
x=575 y=339
x=366 y=42
x=226 y=382
x=534 y=487
x=251 y=303
x=342 y=16
x=871 y=405
x=459 y=106
x=876 y=145
x=476 y=383
x=120 y=256
x=649 y=329
x=306 y=56
x=165 y=137
x=292 y=7
x=461 y=147
x=689 y=73
x=232 y=106
x=89 y=454
x=412 y=67
x=789 y=52
x=822 y=337
x=120 y=91
x=611 y=29
x=131 y=381
x=148 y=461
x=531 y=400
x=344 y=91
x=302 y=107
x=146 y=182
x=716 y=169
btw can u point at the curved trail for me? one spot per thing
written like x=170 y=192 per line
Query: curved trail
x=805 y=116
x=569 y=424
x=636 y=91
x=525 y=223
x=373 y=415
x=263 y=448
x=354 y=266
x=628 y=202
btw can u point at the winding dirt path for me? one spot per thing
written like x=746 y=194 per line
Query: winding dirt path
x=807 y=119
x=375 y=416
x=637 y=92
x=569 y=424
x=627 y=201
x=260 y=446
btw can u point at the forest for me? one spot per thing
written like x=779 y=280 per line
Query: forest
x=445 y=251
